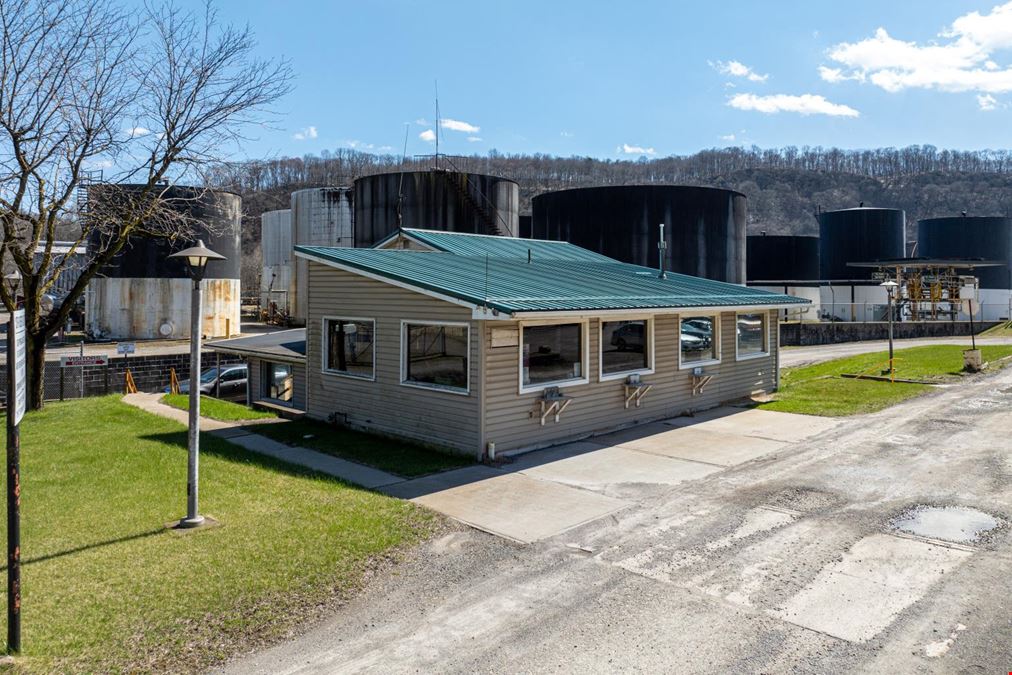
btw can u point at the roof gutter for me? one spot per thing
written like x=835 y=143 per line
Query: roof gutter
x=593 y=313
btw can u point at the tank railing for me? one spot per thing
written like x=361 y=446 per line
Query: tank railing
x=846 y=312
x=492 y=214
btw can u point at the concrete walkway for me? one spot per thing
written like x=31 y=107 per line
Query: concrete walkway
x=242 y=433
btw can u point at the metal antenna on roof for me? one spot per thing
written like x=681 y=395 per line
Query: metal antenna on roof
x=662 y=248
x=437 y=123
x=400 y=182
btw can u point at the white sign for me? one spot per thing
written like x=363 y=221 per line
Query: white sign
x=78 y=361
x=126 y=348
x=20 y=358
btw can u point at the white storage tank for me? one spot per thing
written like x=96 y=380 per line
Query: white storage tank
x=319 y=217
x=277 y=287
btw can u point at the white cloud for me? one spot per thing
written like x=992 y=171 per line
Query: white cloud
x=566 y=134
x=422 y=122
x=738 y=69
x=457 y=125
x=359 y=145
x=474 y=139
x=137 y=132
x=805 y=104
x=627 y=149
x=960 y=59
x=305 y=134
x=429 y=136
x=385 y=148
x=728 y=137
x=987 y=102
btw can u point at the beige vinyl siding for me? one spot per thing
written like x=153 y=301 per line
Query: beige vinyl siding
x=511 y=420
x=432 y=416
x=254 y=386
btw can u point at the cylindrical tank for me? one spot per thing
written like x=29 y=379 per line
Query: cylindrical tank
x=276 y=278
x=989 y=238
x=524 y=228
x=782 y=258
x=704 y=227
x=142 y=293
x=434 y=200
x=320 y=216
x=859 y=235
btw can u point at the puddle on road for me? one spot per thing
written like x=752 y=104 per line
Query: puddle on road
x=957 y=524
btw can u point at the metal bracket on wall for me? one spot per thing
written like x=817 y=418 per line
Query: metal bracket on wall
x=698 y=382
x=634 y=393
x=553 y=406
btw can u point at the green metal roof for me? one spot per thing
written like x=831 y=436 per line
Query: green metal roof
x=498 y=247
x=513 y=285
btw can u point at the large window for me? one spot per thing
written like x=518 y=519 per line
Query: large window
x=751 y=335
x=552 y=353
x=435 y=355
x=700 y=339
x=625 y=346
x=278 y=382
x=349 y=346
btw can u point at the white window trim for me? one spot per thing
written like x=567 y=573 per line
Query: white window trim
x=324 y=339
x=718 y=337
x=584 y=356
x=766 y=337
x=404 y=357
x=621 y=375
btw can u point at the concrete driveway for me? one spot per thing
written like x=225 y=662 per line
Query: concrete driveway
x=544 y=493
x=791 y=562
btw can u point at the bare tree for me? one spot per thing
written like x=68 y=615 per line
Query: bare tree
x=152 y=96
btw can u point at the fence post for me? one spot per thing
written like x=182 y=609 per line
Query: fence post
x=61 y=382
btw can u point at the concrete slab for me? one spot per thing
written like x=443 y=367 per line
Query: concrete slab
x=516 y=506
x=859 y=596
x=609 y=466
x=699 y=445
x=777 y=426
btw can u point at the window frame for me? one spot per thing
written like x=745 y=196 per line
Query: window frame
x=324 y=341
x=267 y=364
x=466 y=391
x=650 y=369
x=717 y=340
x=766 y=337
x=584 y=356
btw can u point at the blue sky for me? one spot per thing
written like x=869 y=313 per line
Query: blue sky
x=624 y=80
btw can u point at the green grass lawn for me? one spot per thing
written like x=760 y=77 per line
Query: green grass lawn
x=396 y=456
x=818 y=389
x=216 y=409
x=107 y=588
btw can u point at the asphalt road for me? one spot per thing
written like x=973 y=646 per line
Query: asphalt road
x=787 y=563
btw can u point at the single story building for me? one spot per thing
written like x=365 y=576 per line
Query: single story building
x=490 y=344
x=276 y=368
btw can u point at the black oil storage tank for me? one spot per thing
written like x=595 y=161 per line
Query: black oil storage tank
x=704 y=227
x=434 y=200
x=988 y=238
x=142 y=293
x=782 y=258
x=862 y=234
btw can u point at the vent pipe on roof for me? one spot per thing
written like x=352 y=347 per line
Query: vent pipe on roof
x=662 y=248
x=528 y=256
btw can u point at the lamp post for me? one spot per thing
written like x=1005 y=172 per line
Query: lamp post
x=890 y=287
x=196 y=259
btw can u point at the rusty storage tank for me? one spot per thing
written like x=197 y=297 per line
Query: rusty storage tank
x=321 y=216
x=988 y=238
x=704 y=227
x=276 y=278
x=782 y=258
x=860 y=234
x=435 y=200
x=143 y=294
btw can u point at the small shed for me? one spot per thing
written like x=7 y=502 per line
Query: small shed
x=276 y=364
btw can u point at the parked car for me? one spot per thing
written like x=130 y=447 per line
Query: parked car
x=629 y=336
x=231 y=383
